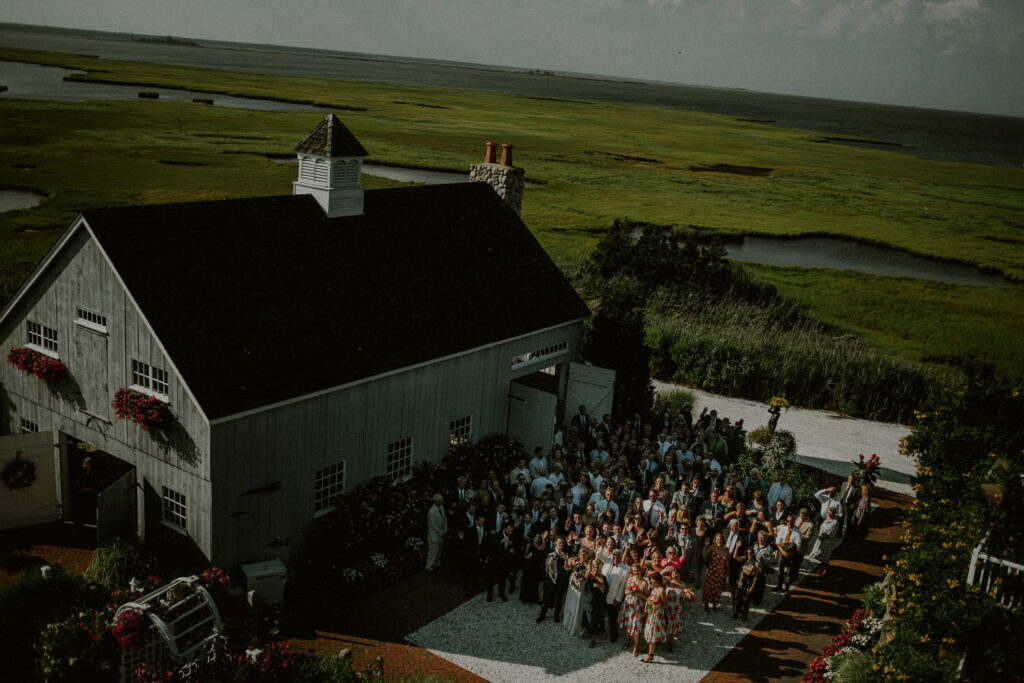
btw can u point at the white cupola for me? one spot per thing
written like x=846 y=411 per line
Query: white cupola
x=330 y=164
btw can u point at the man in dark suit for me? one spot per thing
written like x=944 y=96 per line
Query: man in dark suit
x=499 y=549
x=581 y=422
x=461 y=494
x=714 y=511
x=849 y=496
x=474 y=557
x=606 y=427
x=556 y=581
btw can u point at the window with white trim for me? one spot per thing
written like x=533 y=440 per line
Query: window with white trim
x=41 y=336
x=27 y=426
x=330 y=481
x=175 y=512
x=460 y=430
x=149 y=379
x=399 y=462
x=539 y=353
x=90 y=319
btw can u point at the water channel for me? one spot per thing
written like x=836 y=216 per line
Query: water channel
x=406 y=175
x=35 y=82
x=14 y=200
x=844 y=254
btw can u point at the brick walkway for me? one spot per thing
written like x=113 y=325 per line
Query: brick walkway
x=52 y=544
x=805 y=621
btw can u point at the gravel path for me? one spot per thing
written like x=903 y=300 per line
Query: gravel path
x=824 y=439
x=502 y=642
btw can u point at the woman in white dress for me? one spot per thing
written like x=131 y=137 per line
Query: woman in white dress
x=572 y=614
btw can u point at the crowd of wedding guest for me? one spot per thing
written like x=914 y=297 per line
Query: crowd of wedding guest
x=618 y=525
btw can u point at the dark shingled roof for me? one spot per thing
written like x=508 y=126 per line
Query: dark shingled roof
x=331 y=139
x=265 y=299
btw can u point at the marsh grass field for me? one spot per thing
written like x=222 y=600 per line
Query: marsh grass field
x=597 y=162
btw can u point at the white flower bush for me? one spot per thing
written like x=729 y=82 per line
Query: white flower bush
x=379 y=560
x=413 y=543
x=351 y=575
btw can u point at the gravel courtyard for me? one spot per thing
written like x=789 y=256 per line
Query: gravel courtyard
x=503 y=643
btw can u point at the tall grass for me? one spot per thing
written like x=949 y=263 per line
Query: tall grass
x=761 y=350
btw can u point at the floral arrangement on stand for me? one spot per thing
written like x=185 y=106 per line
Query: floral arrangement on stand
x=867 y=470
x=18 y=473
x=142 y=409
x=35 y=363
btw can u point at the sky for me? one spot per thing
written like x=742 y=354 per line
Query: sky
x=966 y=55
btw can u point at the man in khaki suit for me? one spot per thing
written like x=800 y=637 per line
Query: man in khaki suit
x=437 y=526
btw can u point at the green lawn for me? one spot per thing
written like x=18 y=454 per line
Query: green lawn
x=599 y=162
x=921 y=320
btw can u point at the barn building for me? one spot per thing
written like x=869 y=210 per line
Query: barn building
x=299 y=345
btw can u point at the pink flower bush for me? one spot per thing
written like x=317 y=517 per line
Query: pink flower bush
x=142 y=409
x=35 y=363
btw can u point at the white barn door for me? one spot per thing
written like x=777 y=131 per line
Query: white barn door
x=36 y=503
x=589 y=386
x=115 y=510
x=531 y=416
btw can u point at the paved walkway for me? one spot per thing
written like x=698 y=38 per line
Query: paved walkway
x=824 y=439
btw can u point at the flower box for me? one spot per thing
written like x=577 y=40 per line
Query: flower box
x=142 y=409
x=35 y=363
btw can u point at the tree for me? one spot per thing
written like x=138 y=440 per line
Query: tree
x=614 y=338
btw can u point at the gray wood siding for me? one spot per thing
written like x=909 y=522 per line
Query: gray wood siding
x=98 y=364
x=286 y=446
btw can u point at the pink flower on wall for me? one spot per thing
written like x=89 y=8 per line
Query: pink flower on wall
x=35 y=363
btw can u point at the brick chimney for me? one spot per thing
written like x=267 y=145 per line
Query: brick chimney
x=507 y=180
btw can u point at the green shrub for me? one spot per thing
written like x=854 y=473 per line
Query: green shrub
x=67 y=652
x=29 y=603
x=874 y=599
x=119 y=561
x=856 y=667
x=677 y=397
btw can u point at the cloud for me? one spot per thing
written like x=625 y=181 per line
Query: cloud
x=964 y=12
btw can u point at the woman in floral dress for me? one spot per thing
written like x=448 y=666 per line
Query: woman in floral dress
x=675 y=594
x=716 y=556
x=656 y=624
x=631 y=614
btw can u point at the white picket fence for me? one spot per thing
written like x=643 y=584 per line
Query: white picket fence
x=1002 y=579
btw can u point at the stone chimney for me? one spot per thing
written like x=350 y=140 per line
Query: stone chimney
x=507 y=180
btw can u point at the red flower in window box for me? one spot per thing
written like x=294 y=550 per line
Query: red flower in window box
x=142 y=409
x=35 y=363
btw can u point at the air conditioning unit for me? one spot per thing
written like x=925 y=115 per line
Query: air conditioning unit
x=267 y=579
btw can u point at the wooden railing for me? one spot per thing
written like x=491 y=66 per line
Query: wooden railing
x=1002 y=579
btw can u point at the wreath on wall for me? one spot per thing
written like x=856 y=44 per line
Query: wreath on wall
x=19 y=473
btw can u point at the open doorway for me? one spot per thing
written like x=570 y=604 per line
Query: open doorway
x=101 y=493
